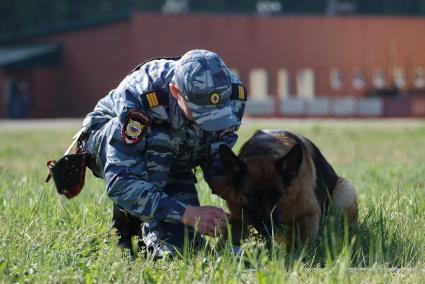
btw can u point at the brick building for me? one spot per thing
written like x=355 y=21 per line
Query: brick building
x=292 y=66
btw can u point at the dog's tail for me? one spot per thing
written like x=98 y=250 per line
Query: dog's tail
x=345 y=199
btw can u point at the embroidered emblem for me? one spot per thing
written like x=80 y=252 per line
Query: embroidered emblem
x=135 y=126
x=214 y=98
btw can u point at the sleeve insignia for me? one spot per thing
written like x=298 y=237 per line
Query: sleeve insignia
x=154 y=98
x=239 y=92
x=135 y=126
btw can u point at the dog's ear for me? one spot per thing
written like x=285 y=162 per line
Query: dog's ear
x=233 y=166
x=289 y=165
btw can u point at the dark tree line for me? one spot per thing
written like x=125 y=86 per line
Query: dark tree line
x=27 y=15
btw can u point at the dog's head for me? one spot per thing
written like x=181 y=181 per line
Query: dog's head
x=260 y=182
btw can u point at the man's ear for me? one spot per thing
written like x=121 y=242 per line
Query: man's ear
x=174 y=91
x=233 y=166
x=289 y=165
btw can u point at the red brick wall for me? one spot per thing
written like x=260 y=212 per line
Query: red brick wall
x=247 y=42
x=96 y=59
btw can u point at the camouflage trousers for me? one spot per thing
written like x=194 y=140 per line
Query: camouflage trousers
x=161 y=238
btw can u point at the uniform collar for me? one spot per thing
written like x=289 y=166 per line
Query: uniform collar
x=177 y=118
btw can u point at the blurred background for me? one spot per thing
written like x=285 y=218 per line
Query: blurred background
x=297 y=58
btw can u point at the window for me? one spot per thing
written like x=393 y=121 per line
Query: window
x=305 y=83
x=258 y=83
x=399 y=78
x=335 y=78
x=358 y=80
x=419 y=78
x=283 y=83
x=378 y=79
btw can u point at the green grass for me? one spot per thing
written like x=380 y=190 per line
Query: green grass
x=46 y=238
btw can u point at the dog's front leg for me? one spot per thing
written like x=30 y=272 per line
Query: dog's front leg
x=281 y=239
x=303 y=229
x=237 y=231
x=308 y=226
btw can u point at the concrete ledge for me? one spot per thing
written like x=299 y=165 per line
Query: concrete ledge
x=260 y=107
x=292 y=106
x=370 y=107
x=320 y=106
x=344 y=107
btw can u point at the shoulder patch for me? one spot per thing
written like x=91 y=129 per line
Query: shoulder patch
x=154 y=98
x=134 y=126
x=239 y=92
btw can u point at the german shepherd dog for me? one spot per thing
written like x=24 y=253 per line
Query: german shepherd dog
x=282 y=178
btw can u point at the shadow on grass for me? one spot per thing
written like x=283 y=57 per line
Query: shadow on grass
x=373 y=241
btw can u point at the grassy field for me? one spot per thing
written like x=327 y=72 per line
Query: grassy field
x=46 y=238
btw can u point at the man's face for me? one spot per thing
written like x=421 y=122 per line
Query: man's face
x=181 y=101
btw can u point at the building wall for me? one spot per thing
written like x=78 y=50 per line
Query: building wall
x=2 y=87
x=95 y=60
x=247 y=42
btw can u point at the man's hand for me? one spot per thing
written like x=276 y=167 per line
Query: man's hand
x=207 y=219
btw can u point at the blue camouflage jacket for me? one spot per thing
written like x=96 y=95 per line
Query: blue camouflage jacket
x=136 y=173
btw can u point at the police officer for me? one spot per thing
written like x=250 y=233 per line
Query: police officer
x=167 y=117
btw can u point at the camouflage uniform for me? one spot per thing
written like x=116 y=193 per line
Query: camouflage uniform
x=145 y=149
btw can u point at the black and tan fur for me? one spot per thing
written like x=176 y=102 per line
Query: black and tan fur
x=283 y=177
